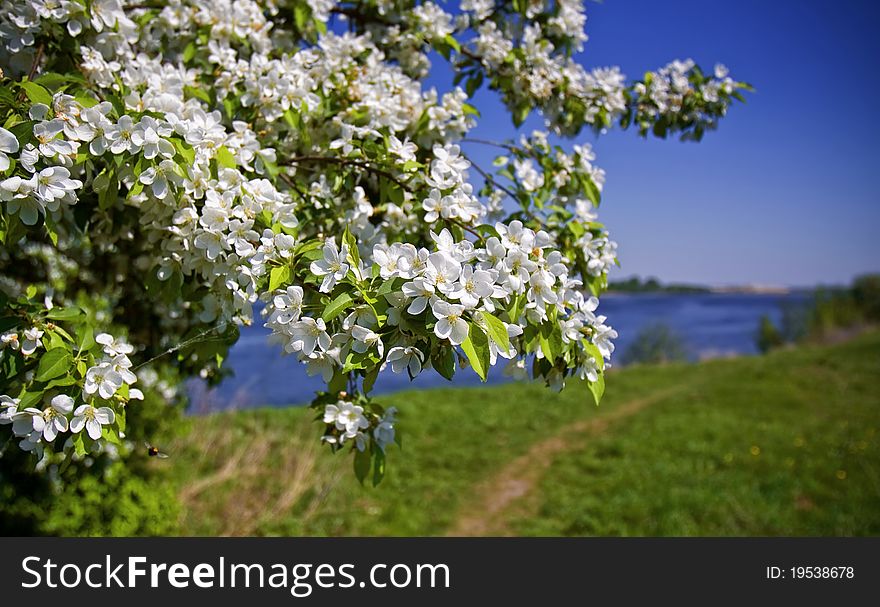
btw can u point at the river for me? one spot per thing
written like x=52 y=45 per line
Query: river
x=710 y=324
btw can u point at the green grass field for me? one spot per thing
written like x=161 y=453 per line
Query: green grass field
x=785 y=444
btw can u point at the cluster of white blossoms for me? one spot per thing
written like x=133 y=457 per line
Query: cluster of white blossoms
x=347 y=421
x=550 y=76
x=451 y=196
x=665 y=91
x=451 y=287
x=26 y=343
x=45 y=189
x=36 y=427
x=166 y=167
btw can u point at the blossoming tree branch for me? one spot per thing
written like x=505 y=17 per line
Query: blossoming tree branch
x=169 y=167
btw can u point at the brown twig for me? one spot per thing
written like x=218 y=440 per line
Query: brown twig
x=464 y=227
x=497 y=144
x=292 y=184
x=347 y=162
x=36 y=62
x=491 y=180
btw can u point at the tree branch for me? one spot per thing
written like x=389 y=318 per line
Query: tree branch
x=347 y=162
x=491 y=180
x=36 y=63
x=463 y=226
x=293 y=186
x=497 y=144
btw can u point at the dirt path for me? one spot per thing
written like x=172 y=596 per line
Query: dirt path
x=484 y=513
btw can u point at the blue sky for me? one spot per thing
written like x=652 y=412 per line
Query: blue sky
x=783 y=192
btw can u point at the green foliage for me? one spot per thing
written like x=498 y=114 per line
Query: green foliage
x=111 y=491
x=111 y=498
x=476 y=347
x=768 y=336
x=843 y=308
x=795 y=321
x=656 y=343
x=866 y=295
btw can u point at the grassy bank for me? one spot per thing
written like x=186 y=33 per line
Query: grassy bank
x=783 y=444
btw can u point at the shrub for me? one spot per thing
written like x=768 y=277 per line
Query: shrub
x=656 y=343
x=768 y=336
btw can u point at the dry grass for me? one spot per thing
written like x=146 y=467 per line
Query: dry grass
x=228 y=482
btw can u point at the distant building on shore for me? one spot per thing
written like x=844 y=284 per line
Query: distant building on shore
x=758 y=289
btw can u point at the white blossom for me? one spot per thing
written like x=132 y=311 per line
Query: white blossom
x=92 y=419
x=406 y=358
x=450 y=322
x=333 y=266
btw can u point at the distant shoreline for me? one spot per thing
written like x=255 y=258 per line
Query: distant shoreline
x=735 y=290
x=652 y=285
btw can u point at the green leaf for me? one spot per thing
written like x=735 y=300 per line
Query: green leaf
x=87 y=338
x=7 y=322
x=361 y=465
x=53 y=363
x=520 y=114
x=79 y=445
x=497 y=331
x=64 y=313
x=473 y=84
x=487 y=231
x=54 y=81
x=370 y=379
x=387 y=287
x=225 y=158
x=594 y=352
x=110 y=436
x=37 y=93
x=197 y=93
x=467 y=108
x=301 y=16
x=86 y=101
x=109 y=193
x=378 y=466
x=308 y=245
x=349 y=239
x=278 y=276
x=476 y=347
x=29 y=399
x=444 y=362
x=395 y=194
x=185 y=150
x=336 y=307
x=53 y=340
x=189 y=52
x=597 y=388
x=67 y=380
x=591 y=191
x=551 y=340
x=292 y=118
x=452 y=42
x=337 y=383
x=355 y=360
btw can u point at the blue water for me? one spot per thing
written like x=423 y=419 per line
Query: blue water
x=712 y=325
